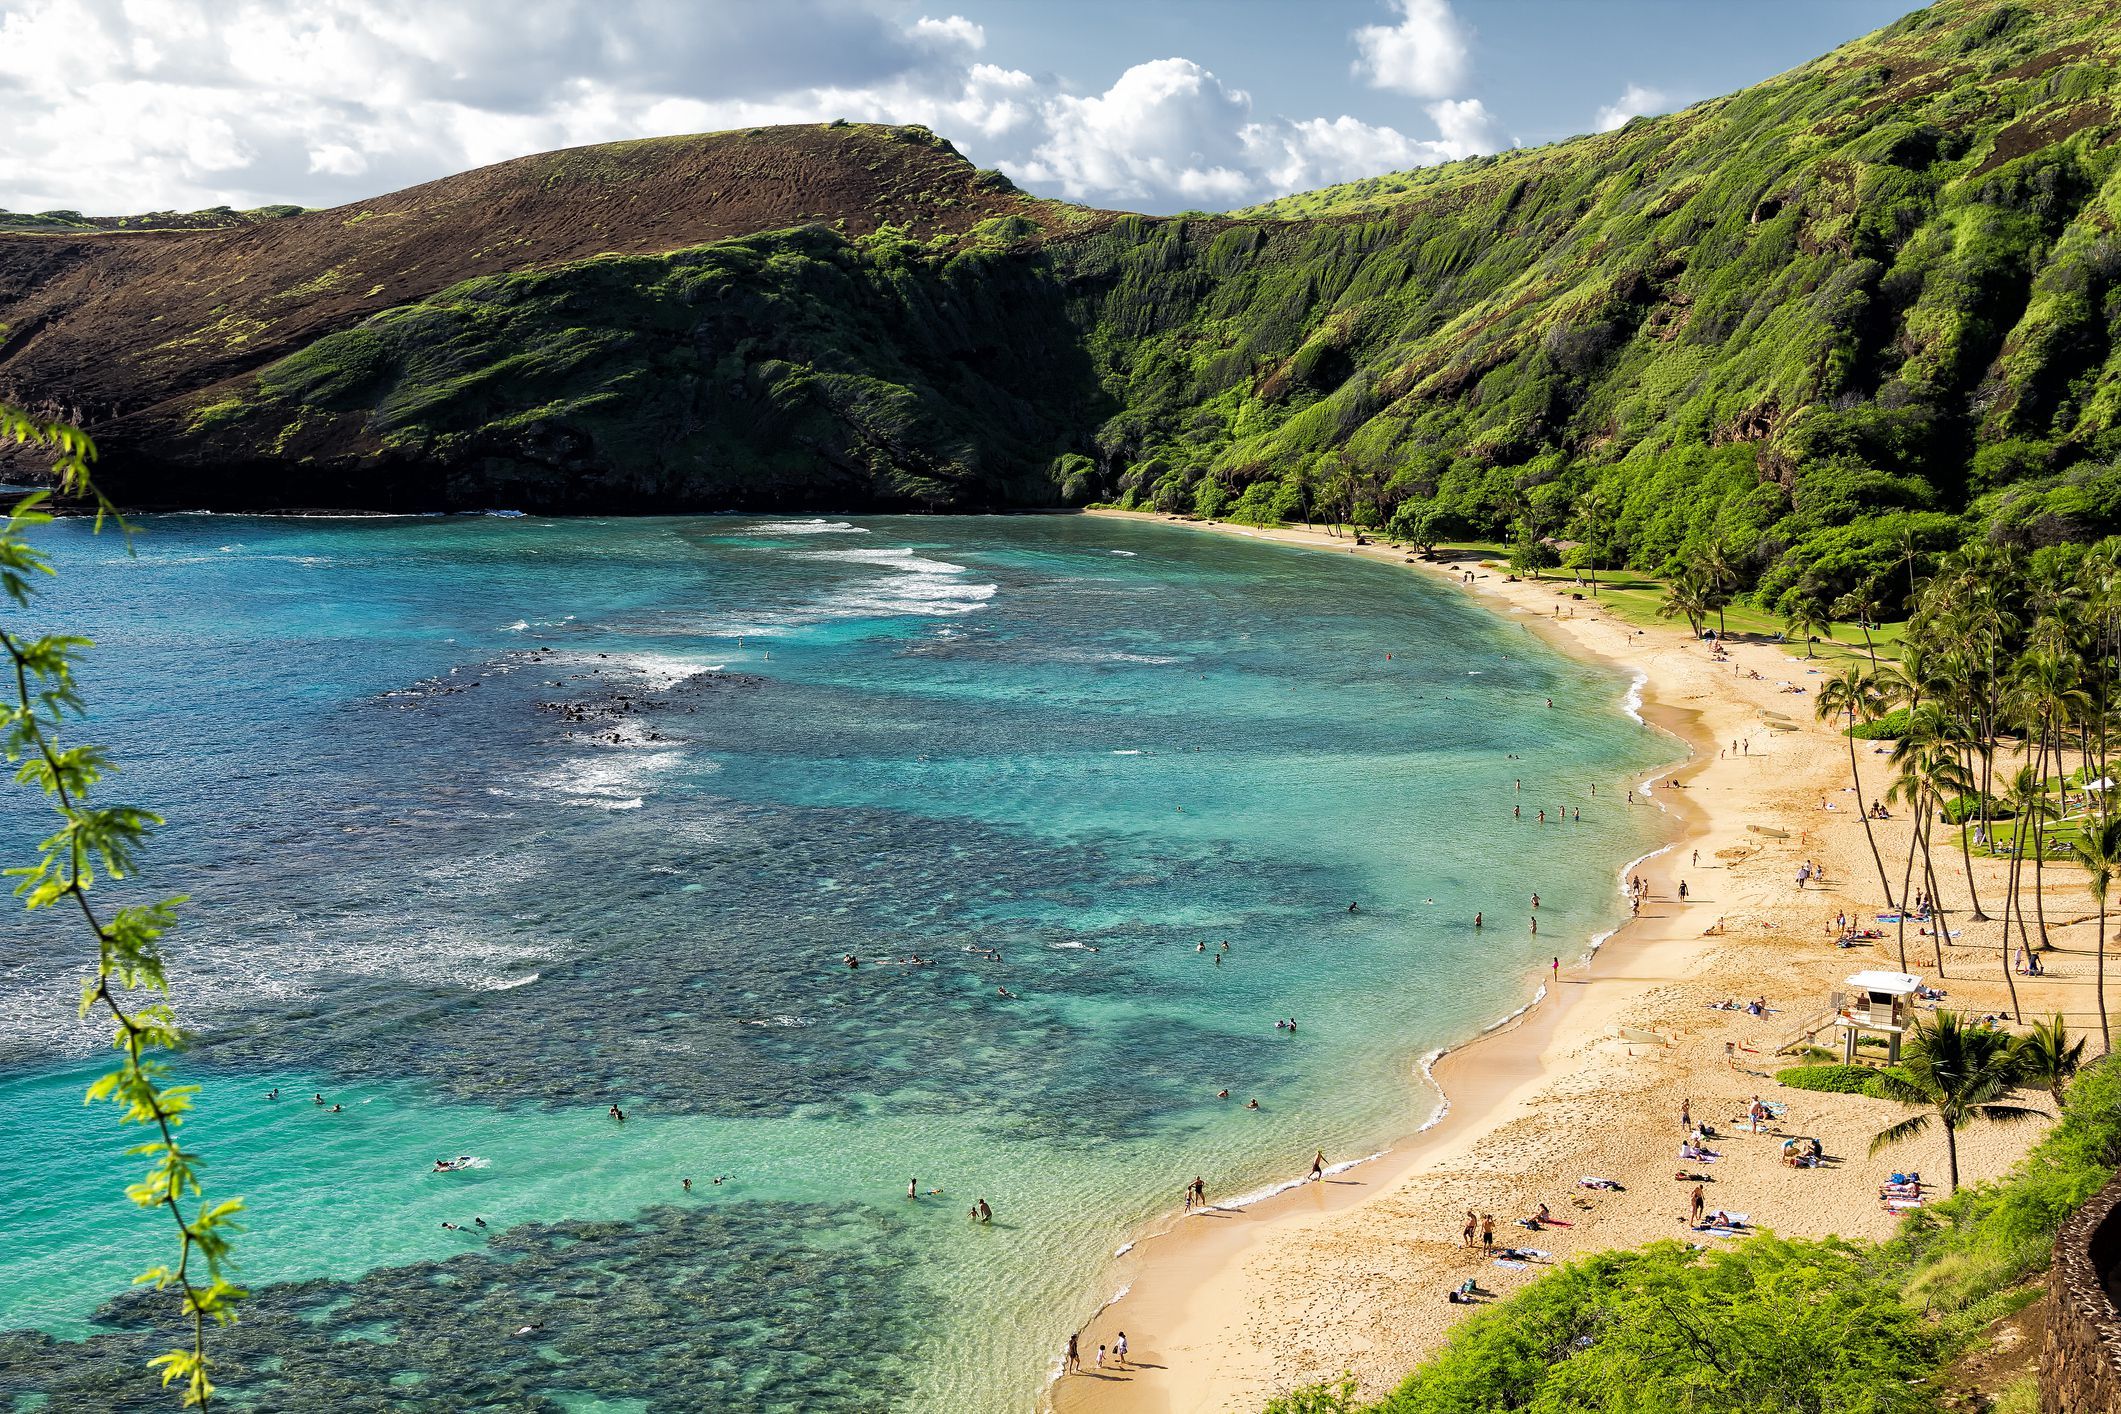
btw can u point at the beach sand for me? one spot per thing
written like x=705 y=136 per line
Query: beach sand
x=1225 y=1309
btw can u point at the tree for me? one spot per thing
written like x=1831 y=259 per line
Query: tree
x=2048 y=1055
x=1805 y=618
x=1860 y=606
x=1719 y=575
x=1957 y=1074
x=2100 y=853
x=101 y=842
x=1685 y=595
x=1531 y=553
x=1859 y=697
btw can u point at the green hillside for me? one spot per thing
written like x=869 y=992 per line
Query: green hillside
x=1860 y=311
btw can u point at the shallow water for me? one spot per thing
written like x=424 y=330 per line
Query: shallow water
x=493 y=822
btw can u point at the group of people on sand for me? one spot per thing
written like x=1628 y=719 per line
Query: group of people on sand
x=1072 y=1362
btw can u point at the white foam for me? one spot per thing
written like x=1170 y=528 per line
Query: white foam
x=909 y=560
x=802 y=527
x=1632 y=703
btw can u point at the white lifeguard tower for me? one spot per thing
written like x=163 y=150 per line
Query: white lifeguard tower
x=1883 y=1002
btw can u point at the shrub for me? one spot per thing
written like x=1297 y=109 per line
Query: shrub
x=1833 y=1079
x=1886 y=728
x=1961 y=809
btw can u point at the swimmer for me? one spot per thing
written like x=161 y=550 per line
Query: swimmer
x=335 y=1109
x=913 y=1189
x=688 y=1184
x=618 y=1114
x=1251 y=1104
x=1476 y=920
x=1222 y=1094
x=480 y=1222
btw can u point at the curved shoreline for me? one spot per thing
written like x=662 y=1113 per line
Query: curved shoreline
x=1166 y=1270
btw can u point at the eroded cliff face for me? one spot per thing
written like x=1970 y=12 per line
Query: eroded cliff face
x=1867 y=303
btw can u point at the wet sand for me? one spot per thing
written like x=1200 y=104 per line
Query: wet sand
x=1225 y=1309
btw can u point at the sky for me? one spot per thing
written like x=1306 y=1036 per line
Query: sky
x=118 y=106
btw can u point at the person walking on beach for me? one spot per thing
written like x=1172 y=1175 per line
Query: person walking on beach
x=1487 y=1232
x=1318 y=1165
x=1100 y=1359
x=1072 y=1363
x=1686 y=1115
x=1200 y=1191
x=1557 y=971
x=1119 y=1349
x=1472 y=1227
x=1701 y=1202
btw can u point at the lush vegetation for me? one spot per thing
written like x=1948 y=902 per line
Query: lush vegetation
x=1771 y=1325
x=91 y=842
x=1830 y=1078
x=1830 y=328
x=1858 y=309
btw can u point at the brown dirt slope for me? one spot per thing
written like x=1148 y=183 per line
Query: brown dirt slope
x=100 y=326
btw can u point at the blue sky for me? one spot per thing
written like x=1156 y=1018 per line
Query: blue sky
x=1154 y=105
x=1544 y=67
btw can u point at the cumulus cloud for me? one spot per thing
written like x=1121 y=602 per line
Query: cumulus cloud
x=1424 y=54
x=1635 y=101
x=129 y=105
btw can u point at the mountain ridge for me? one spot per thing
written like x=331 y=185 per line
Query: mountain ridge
x=1870 y=300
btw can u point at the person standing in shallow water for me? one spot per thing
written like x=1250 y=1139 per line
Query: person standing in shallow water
x=1073 y=1361
x=1318 y=1164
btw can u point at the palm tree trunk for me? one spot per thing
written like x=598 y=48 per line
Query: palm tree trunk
x=2039 y=825
x=2106 y=1035
x=1938 y=924
x=1966 y=857
x=1951 y=1152
x=1857 y=777
x=1907 y=882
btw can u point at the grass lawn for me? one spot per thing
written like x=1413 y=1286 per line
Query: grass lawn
x=2009 y=834
x=1634 y=598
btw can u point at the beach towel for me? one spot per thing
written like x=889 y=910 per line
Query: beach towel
x=1901 y=1205
x=1513 y=1266
x=1594 y=1182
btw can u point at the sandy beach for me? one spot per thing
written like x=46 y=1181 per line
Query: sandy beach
x=1227 y=1308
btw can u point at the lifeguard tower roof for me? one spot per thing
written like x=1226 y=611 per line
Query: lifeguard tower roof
x=1890 y=984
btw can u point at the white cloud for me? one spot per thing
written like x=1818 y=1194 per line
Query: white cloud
x=1635 y=102
x=1466 y=125
x=1424 y=54
x=132 y=105
x=954 y=30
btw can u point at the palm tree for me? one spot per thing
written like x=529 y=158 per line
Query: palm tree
x=1686 y=595
x=1805 y=617
x=2100 y=852
x=1720 y=575
x=1861 y=605
x=1957 y=1074
x=2026 y=795
x=1859 y=696
x=2048 y=1055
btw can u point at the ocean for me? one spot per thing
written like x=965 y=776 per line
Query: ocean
x=491 y=823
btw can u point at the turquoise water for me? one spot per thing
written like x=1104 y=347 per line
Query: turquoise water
x=491 y=823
